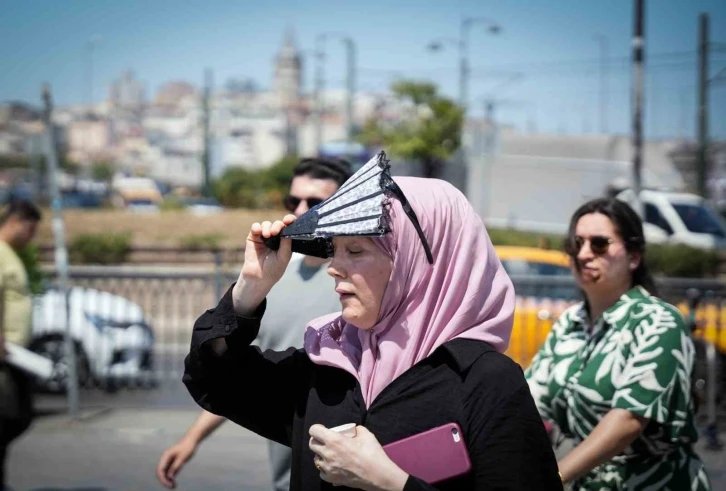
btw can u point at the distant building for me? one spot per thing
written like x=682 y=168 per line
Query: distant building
x=537 y=180
x=288 y=73
x=177 y=168
x=127 y=98
x=89 y=140
x=174 y=93
x=250 y=127
x=17 y=112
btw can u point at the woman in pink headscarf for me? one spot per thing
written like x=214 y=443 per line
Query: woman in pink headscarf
x=426 y=315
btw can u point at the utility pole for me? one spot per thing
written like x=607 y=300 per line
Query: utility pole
x=490 y=133
x=90 y=45
x=464 y=28
x=701 y=161
x=489 y=112
x=206 y=154
x=350 y=76
x=350 y=86
x=603 y=43
x=319 y=86
x=61 y=251
x=683 y=125
x=638 y=77
x=463 y=42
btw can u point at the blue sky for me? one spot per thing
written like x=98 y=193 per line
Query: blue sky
x=163 y=40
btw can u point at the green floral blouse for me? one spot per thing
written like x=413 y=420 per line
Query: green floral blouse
x=638 y=357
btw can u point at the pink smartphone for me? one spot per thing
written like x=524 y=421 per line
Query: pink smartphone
x=435 y=455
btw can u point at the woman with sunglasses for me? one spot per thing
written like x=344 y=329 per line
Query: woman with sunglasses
x=426 y=315
x=615 y=371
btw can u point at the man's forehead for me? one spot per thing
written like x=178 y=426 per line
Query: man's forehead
x=306 y=186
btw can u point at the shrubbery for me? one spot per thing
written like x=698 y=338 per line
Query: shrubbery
x=100 y=248
x=201 y=241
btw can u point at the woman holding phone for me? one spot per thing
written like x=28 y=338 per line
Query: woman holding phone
x=426 y=314
x=615 y=371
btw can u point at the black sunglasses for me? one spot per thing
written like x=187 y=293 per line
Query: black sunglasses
x=599 y=244
x=292 y=202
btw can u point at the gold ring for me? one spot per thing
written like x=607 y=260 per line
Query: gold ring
x=317 y=464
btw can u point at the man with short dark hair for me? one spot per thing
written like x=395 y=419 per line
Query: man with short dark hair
x=18 y=224
x=314 y=180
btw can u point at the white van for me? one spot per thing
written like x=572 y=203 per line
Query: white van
x=679 y=218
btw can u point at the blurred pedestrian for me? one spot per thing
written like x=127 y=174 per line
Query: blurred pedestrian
x=426 y=314
x=615 y=371
x=18 y=224
x=314 y=180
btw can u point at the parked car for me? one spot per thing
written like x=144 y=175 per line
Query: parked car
x=679 y=218
x=113 y=340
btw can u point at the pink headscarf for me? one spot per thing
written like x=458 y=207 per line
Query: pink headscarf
x=464 y=294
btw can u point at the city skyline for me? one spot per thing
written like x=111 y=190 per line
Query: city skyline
x=554 y=87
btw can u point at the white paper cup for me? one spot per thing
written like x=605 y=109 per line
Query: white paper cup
x=346 y=429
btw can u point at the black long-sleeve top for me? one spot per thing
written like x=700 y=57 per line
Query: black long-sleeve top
x=279 y=395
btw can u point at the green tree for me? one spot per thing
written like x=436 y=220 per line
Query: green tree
x=13 y=162
x=279 y=175
x=69 y=166
x=261 y=188
x=429 y=132
x=227 y=188
x=102 y=171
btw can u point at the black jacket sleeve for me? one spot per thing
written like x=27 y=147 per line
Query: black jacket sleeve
x=507 y=442
x=254 y=389
x=511 y=449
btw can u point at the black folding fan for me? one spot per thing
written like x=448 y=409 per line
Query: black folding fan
x=358 y=208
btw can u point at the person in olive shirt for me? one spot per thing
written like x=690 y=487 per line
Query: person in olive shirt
x=18 y=223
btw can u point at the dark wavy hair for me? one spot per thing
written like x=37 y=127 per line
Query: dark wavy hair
x=21 y=208
x=628 y=226
x=338 y=170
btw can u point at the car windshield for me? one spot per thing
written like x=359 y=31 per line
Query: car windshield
x=700 y=220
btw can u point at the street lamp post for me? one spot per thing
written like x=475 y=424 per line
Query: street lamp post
x=351 y=88
x=350 y=83
x=464 y=71
x=464 y=29
x=463 y=45
x=319 y=81
x=61 y=250
x=603 y=45
x=90 y=45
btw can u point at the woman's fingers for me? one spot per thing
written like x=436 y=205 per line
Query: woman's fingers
x=288 y=219
x=268 y=229
x=321 y=433
x=315 y=445
x=277 y=227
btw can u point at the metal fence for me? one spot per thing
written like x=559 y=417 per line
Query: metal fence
x=131 y=326
x=171 y=299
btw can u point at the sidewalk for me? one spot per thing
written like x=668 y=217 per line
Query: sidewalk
x=118 y=449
